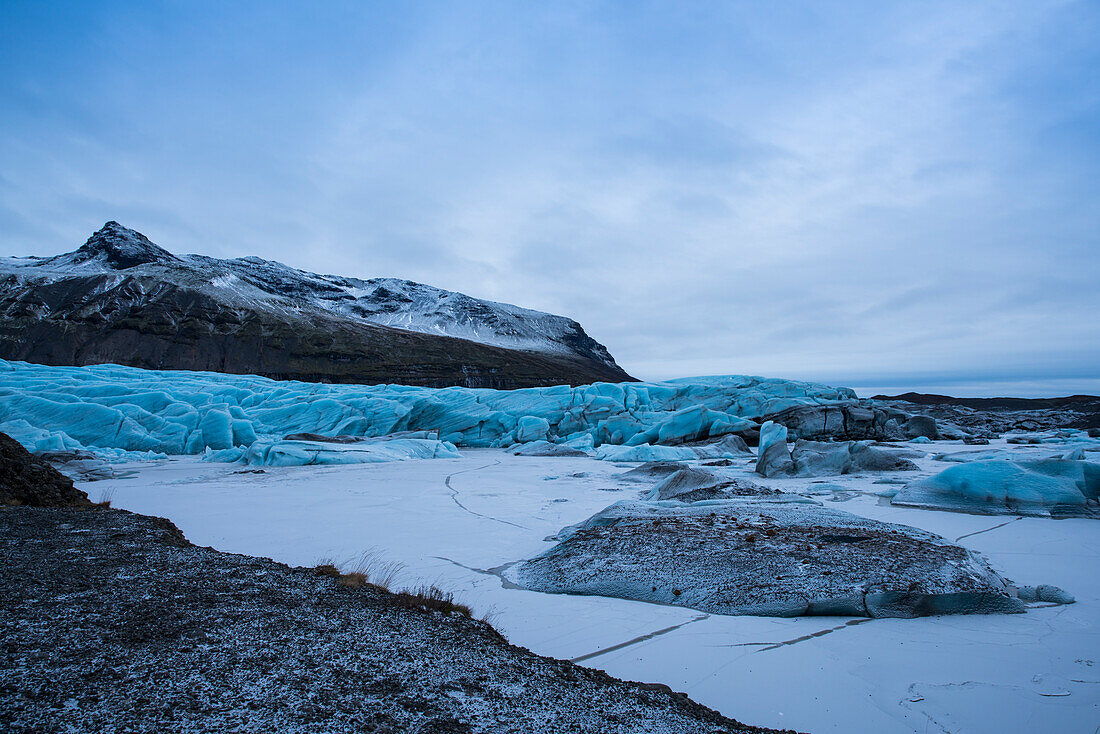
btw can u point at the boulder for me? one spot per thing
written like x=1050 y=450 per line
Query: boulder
x=26 y=479
x=823 y=459
x=922 y=425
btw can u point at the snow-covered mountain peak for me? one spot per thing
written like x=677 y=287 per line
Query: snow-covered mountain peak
x=116 y=254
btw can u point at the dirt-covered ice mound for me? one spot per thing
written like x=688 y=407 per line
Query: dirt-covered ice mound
x=769 y=556
x=692 y=484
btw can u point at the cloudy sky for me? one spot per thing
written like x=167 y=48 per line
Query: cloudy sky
x=877 y=194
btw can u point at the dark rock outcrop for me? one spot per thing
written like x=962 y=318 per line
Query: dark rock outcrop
x=26 y=479
x=993 y=416
x=850 y=421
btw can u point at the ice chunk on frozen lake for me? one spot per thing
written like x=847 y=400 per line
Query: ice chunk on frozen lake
x=1047 y=487
x=312 y=453
x=645 y=453
x=545 y=448
x=773 y=456
x=766 y=556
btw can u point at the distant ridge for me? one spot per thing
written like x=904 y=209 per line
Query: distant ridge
x=1004 y=403
x=120 y=298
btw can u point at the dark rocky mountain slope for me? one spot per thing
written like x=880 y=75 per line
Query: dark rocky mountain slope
x=122 y=299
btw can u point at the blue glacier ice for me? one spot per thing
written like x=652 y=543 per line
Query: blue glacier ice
x=309 y=453
x=125 y=411
x=1060 y=487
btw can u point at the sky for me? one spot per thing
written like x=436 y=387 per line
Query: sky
x=887 y=195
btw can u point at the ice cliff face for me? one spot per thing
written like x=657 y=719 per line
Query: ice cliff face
x=107 y=408
x=120 y=298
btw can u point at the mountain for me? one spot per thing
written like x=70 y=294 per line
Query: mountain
x=120 y=298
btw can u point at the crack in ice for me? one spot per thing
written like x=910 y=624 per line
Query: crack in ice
x=641 y=638
x=979 y=532
x=454 y=497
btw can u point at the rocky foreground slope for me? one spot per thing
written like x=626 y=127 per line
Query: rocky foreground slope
x=114 y=622
x=122 y=299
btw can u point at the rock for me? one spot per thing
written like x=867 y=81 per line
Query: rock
x=122 y=299
x=766 y=556
x=921 y=425
x=113 y=622
x=773 y=457
x=975 y=441
x=821 y=459
x=26 y=479
x=79 y=465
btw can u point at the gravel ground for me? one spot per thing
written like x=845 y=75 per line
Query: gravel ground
x=113 y=622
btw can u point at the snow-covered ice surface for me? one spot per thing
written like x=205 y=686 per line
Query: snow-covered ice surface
x=458 y=521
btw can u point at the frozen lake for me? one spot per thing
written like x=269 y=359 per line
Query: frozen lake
x=451 y=521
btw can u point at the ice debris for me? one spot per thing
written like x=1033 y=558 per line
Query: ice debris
x=819 y=458
x=311 y=453
x=1047 y=487
x=545 y=448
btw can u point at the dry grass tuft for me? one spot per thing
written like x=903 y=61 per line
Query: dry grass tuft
x=377 y=570
x=372 y=570
x=429 y=597
x=327 y=569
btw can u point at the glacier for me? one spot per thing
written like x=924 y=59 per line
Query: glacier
x=125 y=412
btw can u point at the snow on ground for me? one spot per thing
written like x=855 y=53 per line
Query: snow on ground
x=453 y=521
